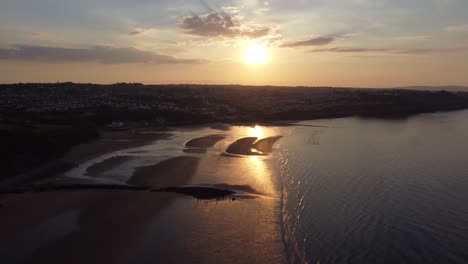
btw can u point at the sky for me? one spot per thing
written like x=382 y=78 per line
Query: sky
x=347 y=43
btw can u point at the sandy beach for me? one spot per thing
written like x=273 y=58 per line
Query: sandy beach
x=106 y=165
x=201 y=144
x=110 y=142
x=126 y=226
x=98 y=226
x=106 y=224
x=252 y=146
x=204 y=142
x=169 y=173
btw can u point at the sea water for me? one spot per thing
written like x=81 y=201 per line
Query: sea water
x=376 y=191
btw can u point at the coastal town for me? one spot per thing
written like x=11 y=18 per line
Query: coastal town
x=190 y=104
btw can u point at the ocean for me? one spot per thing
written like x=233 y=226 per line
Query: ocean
x=376 y=191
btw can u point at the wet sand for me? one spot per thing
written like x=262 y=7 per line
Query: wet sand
x=220 y=126
x=173 y=172
x=265 y=145
x=201 y=144
x=204 y=142
x=107 y=143
x=252 y=146
x=115 y=226
x=98 y=226
x=194 y=150
x=110 y=142
x=96 y=169
x=236 y=187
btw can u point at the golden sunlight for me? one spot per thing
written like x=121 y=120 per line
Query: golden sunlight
x=256 y=54
x=256 y=131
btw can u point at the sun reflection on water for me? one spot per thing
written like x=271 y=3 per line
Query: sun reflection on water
x=256 y=131
x=260 y=173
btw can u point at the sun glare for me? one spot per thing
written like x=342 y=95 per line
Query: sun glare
x=255 y=54
x=256 y=131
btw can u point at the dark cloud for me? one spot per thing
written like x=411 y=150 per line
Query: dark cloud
x=101 y=54
x=391 y=51
x=213 y=24
x=320 y=41
x=135 y=32
x=351 y=50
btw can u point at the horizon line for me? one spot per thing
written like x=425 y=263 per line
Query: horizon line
x=246 y=85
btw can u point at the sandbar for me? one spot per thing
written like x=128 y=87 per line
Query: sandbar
x=252 y=146
x=204 y=142
x=169 y=173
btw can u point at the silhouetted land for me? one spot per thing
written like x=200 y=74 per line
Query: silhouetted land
x=204 y=142
x=40 y=122
x=252 y=146
x=28 y=145
x=203 y=193
x=195 y=104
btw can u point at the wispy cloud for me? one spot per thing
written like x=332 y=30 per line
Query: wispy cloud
x=414 y=38
x=135 y=32
x=140 y=31
x=214 y=24
x=316 y=41
x=37 y=34
x=319 y=41
x=390 y=51
x=101 y=54
x=457 y=28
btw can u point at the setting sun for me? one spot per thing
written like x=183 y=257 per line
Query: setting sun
x=255 y=54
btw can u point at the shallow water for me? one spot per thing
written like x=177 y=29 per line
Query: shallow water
x=246 y=230
x=373 y=191
x=348 y=190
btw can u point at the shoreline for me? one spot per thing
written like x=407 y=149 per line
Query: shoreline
x=81 y=153
x=107 y=144
x=99 y=168
x=62 y=164
x=132 y=213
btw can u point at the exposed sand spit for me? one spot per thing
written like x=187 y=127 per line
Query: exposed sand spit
x=252 y=146
x=172 y=172
x=109 y=142
x=204 y=142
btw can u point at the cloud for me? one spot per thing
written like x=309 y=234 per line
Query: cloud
x=101 y=54
x=135 y=32
x=413 y=38
x=140 y=31
x=37 y=34
x=457 y=28
x=317 y=41
x=320 y=41
x=351 y=50
x=213 y=24
x=389 y=51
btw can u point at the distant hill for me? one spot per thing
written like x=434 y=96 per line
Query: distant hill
x=436 y=88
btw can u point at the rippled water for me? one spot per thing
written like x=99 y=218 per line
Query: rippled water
x=373 y=191
x=346 y=190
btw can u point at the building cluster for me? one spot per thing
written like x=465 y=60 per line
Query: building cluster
x=209 y=100
x=206 y=103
